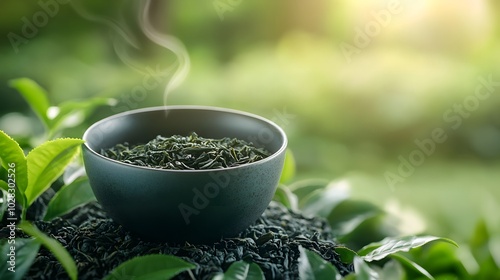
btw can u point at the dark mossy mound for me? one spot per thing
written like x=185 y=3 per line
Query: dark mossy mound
x=98 y=245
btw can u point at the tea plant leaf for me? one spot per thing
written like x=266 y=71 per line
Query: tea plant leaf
x=284 y=196
x=412 y=265
x=350 y=214
x=288 y=168
x=313 y=266
x=4 y=186
x=26 y=251
x=390 y=245
x=4 y=204
x=322 y=201
x=69 y=110
x=241 y=270
x=54 y=247
x=47 y=162
x=11 y=153
x=392 y=270
x=304 y=187
x=72 y=172
x=440 y=257
x=346 y=255
x=480 y=255
x=150 y=267
x=35 y=95
x=364 y=271
x=69 y=197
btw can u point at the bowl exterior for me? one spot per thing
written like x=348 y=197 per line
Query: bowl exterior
x=183 y=206
x=171 y=205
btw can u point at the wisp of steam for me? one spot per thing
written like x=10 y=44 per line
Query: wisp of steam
x=171 y=43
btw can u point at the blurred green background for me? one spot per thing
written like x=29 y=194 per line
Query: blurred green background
x=355 y=84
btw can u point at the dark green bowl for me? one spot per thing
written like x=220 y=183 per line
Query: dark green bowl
x=183 y=205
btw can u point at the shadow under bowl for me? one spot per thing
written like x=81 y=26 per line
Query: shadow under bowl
x=183 y=205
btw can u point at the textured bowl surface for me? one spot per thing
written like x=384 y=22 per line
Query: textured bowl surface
x=183 y=205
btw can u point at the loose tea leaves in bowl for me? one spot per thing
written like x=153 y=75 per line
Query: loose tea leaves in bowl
x=187 y=153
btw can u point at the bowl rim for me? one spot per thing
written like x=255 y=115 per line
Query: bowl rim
x=188 y=107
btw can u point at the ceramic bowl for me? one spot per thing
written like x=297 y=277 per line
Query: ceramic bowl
x=183 y=205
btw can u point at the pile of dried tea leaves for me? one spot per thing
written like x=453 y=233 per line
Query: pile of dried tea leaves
x=98 y=245
x=187 y=153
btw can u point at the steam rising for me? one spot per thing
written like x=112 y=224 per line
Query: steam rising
x=109 y=22
x=168 y=42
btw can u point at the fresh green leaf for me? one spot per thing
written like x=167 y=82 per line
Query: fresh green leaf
x=284 y=196
x=392 y=270
x=494 y=248
x=322 y=201
x=480 y=247
x=150 y=267
x=390 y=245
x=69 y=197
x=303 y=188
x=288 y=168
x=4 y=205
x=241 y=270
x=53 y=246
x=47 y=162
x=61 y=116
x=364 y=271
x=26 y=251
x=11 y=153
x=350 y=214
x=72 y=172
x=346 y=255
x=412 y=265
x=313 y=266
x=440 y=257
x=35 y=95
x=4 y=186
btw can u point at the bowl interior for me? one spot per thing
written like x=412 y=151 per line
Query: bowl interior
x=141 y=126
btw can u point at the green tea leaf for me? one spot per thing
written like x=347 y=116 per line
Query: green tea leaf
x=322 y=201
x=304 y=187
x=187 y=152
x=313 y=266
x=26 y=251
x=483 y=251
x=284 y=196
x=4 y=186
x=440 y=257
x=346 y=255
x=69 y=197
x=390 y=245
x=412 y=265
x=53 y=246
x=47 y=162
x=150 y=267
x=11 y=153
x=35 y=95
x=350 y=214
x=66 y=114
x=288 y=168
x=392 y=270
x=364 y=271
x=241 y=270
x=4 y=205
